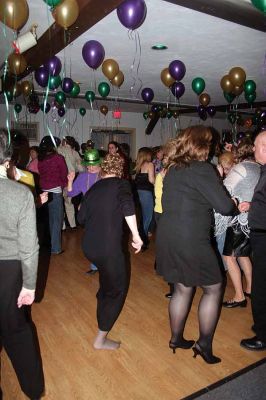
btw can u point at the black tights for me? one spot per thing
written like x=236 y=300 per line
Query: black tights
x=208 y=312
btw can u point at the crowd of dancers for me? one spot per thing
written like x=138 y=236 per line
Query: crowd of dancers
x=206 y=205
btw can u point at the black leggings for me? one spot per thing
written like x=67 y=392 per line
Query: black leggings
x=114 y=282
x=208 y=311
x=17 y=331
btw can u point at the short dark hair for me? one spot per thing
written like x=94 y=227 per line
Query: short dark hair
x=5 y=147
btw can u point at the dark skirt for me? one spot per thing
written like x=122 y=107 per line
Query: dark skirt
x=236 y=244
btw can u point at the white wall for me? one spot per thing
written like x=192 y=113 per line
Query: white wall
x=80 y=127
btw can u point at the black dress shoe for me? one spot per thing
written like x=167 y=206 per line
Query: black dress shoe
x=247 y=294
x=233 y=304
x=253 y=344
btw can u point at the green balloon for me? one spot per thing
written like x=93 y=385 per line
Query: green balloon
x=75 y=90
x=255 y=119
x=53 y=3
x=249 y=87
x=250 y=98
x=54 y=82
x=9 y=95
x=18 y=108
x=145 y=115
x=104 y=89
x=60 y=97
x=169 y=114
x=229 y=97
x=231 y=118
x=82 y=111
x=198 y=85
x=260 y=5
x=90 y=96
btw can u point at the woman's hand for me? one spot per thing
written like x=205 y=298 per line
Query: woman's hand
x=137 y=243
x=244 y=206
x=71 y=176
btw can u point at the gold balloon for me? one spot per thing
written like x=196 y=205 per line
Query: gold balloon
x=166 y=78
x=226 y=84
x=237 y=76
x=17 y=90
x=14 y=13
x=104 y=109
x=27 y=88
x=16 y=64
x=237 y=90
x=118 y=79
x=110 y=68
x=66 y=13
x=204 y=99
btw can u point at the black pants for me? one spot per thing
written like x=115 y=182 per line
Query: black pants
x=17 y=331
x=258 y=297
x=114 y=282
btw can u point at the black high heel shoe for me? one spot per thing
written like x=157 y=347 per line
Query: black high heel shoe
x=207 y=356
x=181 y=344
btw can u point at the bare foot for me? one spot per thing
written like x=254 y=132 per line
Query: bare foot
x=106 y=344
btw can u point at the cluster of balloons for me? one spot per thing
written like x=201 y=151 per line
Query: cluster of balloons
x=132 y=13
x=161 y=111
x=234 y=83
x=203 y=112
x=65 y=12
x=172 y=76
x=15 y=90
x=33 y=104
x=110 y=69
x=257 y=120
x=14 y=13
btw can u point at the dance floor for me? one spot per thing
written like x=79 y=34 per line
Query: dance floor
x=143 y=368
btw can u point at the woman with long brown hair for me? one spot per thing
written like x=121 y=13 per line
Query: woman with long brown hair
x=184 y=253
x=144 y=181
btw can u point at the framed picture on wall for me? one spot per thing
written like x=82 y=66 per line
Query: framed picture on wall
x=28 y=129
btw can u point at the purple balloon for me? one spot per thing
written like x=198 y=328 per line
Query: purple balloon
x=211 y=110
x=178 y=89
x=41 y=76
x=61 y=111
x=147 y=95
x=202 y=112
x=132 y=13
x=67 y=85
x=53 y=66
x=177 y=70
x=154 y=108
x=93 y=53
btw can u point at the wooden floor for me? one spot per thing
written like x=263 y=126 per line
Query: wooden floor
x=143 y=368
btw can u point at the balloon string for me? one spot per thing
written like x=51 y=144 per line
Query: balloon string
x=82 y=130
x=139 y=61
x=132 y=67
x=179 y=122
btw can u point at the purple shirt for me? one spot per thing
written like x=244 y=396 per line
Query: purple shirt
x=83 y=183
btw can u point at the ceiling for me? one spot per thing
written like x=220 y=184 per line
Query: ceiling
x=209 y=47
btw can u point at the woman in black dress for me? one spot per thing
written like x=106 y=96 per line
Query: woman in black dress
x=184 y=254
x=103 y=210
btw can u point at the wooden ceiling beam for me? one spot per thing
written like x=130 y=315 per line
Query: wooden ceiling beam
x=56 y=38
x=239 y=12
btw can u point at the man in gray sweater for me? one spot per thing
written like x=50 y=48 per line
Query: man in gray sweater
x=18 y=271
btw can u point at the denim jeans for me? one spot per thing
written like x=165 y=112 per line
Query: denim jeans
x=56 y=216
x=147 y=204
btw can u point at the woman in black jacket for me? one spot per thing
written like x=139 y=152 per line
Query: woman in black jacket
x=184 y=254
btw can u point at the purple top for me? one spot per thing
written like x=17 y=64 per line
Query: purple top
x=83 y=183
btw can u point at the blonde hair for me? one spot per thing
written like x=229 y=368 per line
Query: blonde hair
x=169 y=151
x=226 y=158
x=144 y=155
x=112 y=165
x=191 y=144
